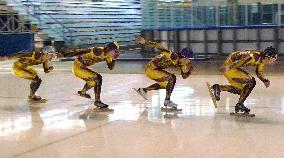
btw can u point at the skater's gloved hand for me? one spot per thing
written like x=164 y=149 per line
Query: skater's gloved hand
x=186 y=68
x=190 y=70
x=49 y=69
x=224 y=68
x=266 y=83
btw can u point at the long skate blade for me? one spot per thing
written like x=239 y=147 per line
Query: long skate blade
x=37 y=101
x=96 y=109
x=170 y=109
x=170 y=115
x=242 y=114
x=136 y=90
x=81 y=96
x=211 y=94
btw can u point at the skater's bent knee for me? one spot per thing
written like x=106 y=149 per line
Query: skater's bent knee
x=37 y=79
x=172 y=78
x=99 y=79
x=99 y=76
x=252 y=82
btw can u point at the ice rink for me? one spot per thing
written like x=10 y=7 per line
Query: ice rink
x=64 y=127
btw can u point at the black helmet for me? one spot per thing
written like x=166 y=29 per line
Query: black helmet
x=112 y=46
x=270 y=52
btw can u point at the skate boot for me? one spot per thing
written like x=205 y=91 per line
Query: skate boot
x=141 y=92
x=170 y=106
x=85 y=95
x=101 y=107
x=216 y=91
x=36 y=99
x=241 y=108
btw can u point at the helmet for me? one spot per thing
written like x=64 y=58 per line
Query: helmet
x=270 y=52
x=186 y=53
x=112 y=46
x=47 y=42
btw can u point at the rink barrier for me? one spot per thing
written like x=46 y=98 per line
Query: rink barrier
x=15 y=42
x=218 y=40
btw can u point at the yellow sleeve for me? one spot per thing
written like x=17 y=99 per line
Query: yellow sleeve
x=169 y=54
x=86 y=58
x=110 y=63
x=172 y=56
x=46 y=67
x=155 y=45
x=259 y=72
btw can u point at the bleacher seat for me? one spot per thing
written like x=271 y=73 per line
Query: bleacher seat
x=80 y=23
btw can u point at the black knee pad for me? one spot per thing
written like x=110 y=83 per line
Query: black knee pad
x=247 y=90
x=35 y=83
x=249 y=86
x=173 y=79
x=252 y=83
x=98 y=80
x=37 y=80
x=171 y=82
x=234 y=91
x=99 y=77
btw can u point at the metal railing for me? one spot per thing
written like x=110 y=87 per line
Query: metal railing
x=44 y=20
x=11 y=23
x=218 y=41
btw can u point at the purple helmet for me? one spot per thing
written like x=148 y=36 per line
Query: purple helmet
x=270 y=52
x=186 y=53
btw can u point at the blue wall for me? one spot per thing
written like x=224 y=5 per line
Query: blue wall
x=12 y=43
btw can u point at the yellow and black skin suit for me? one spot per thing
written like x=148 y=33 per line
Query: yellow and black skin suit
x=22 y=68
x=155 y=69
x=241 y=82
x=86 y=58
